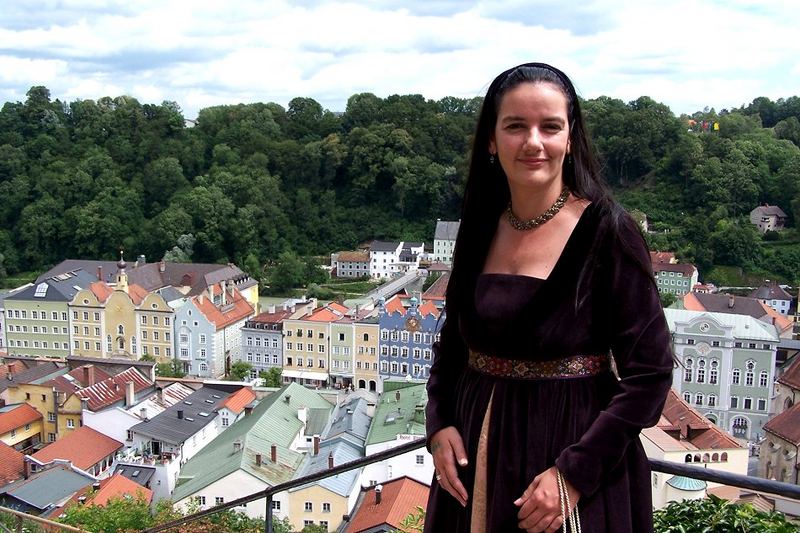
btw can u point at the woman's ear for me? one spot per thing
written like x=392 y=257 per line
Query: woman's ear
x=493 y=146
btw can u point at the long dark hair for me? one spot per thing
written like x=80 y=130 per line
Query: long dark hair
x=487 y=194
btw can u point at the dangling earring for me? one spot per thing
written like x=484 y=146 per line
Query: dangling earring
x=491 y=159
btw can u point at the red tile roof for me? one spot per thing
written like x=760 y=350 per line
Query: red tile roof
x=12 y=464
x=786 y=425
x=681 y=418
x=273 y=318
x=79 y=379
x=84 y=447
x=137 y=293
x=395 y=305
x=330 y=313
x=236 y=308
x=662 y=257
x=428 y=308
x=101 y=290
x=238 y=400
x=438 y=288
x=684 y=268
x=116 y=486
x=18 y=416
x=791 y=376
x=112 y=390
x=399 y=498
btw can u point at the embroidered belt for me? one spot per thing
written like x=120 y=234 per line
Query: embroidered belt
x=569 y=367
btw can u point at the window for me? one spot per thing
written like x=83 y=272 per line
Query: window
x=288 y=345
x=687 y=370
x=155 y=336
x=763 y=377
x=404 y=336
x=712 y=400
x=166 y=321
x=366 y=337
x=689 y=341
x=321 y=363
x=321 y=335
x=748 y=403
x=225 y=421
x=737 y=344
x=309 y=347
x=310 y=333
x=63 y=316
x=86 y=315
x=752 y=345
x=326 y=507
x=70 y=422
x=201 y=500
x=202 y=339
x=714 y=343
x=698 y=398
x=734 y=402
x=321 y=348
x=96 y=316
x=736 y=376
x=748 y=379
x=767 y=347
x=341 y=336
x=144 y=319
x=308 y=506
x=51 y=417
x=324 y=524
x=404 y=352
x=420 y=459
x=384 y=335
x=219 y=500
x=51 y=437
x=276 y=505
x=762 y=404
x=155 y=320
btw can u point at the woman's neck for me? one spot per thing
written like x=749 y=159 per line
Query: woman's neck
x=530 y=202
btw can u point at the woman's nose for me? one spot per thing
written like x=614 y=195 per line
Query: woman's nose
x=533 y=139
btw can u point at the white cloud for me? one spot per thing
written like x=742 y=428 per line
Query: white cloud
x=685 y=53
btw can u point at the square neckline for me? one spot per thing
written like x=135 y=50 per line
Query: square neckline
x=567 y=246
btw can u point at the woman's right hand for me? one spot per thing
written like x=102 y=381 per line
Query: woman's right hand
x=447 y=447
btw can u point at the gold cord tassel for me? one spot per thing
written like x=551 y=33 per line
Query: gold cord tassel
x=573 y=521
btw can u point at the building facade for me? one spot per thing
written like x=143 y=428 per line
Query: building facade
x=444 y=241
x=366 y=332
x=262 y=338
x=675 y=278
x=407 y=331
x=726 y=368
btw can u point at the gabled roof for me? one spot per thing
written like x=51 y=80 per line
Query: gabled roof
x=101 y=290
x=394 y=416
x=737 y=305
x=272 y=318
x=770 y=291
x=342 y=451
x=237 y=401
x=273 y=421
x=786 y=425
x=767 y=210
x=329 y=313
x=84 y=447
x=59 y=288
x=195 y=412
x=17 y=415
x=12 y=464
x=744 y=327
x=112 y=390
x=383 y=246
x=354 y=257
x=662 y=257
x=48 y=489
x=237 y=308
x=446 y=230
x=76 y=379
x=686 y=269
x=351 y=418
x=791 y=376
x=438 y=288
x=114 y=487
x=428 y=308
x=399 y=498
x=694 y=429
x=36 y=374
x=139 y=474
x=395 y=304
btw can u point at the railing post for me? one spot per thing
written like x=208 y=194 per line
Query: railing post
x=268 y=515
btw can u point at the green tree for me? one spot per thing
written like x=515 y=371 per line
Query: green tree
x=271 y=377
x=667 y=299
x=171 y=369
x=118 y=514
x=240 y=371
x=715 y=515
x=181 y=252
x=288 y=273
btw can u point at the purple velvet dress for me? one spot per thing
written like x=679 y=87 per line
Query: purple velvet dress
x=587 y=426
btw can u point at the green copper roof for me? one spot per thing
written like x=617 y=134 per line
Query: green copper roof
x=394 y=416
x=273 y=421
x=686 y=483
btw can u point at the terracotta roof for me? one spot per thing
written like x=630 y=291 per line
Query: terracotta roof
x=272 y=318
x=438 y=288
x=330 y=313
x=428 y=308
x=137 y=293
x=395 y=305
x=358 y=257
x=684 y=268
x=116 y=486
x=770 y=291
x=399 y=498
x=237 y=401
x=786 y=425
x=84 y=447
x=678 y=417
x=235 y=309
x=112 y=390
x=78 y=379
x=781 y=323
x=12 y=464
x=14 y=416
x=791 y=376
x=101 y=290
x=662 y=257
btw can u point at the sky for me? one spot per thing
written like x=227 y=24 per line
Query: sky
x=688 y=54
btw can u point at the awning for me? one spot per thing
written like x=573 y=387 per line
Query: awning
x=305 y=374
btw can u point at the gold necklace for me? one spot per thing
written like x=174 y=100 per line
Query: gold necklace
x=525 y=225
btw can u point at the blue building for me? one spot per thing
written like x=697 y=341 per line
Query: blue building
x=407 y=331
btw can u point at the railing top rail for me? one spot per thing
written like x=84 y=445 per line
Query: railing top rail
x=41 y=520
x=787 y=490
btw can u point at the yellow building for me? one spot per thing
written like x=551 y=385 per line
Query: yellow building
x=121 y=320
x=60 y=411
x=367 y=332
x=306 y=345
x=20 y=426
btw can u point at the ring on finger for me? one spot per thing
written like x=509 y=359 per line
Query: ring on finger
x=438 y=476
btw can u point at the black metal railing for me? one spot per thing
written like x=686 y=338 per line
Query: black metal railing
x=777 y=488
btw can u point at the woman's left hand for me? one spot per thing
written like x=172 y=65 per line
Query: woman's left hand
x=540 y=504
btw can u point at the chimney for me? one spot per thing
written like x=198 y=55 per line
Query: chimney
x=28 y=467
x=378 y=490
x=129 y=393
x=271 y=309
x=287 y=398
x=258 y=459
x=731 y=301
x=330 y=460
x=222 y=291
x=143 y=413
x=201 y=297
x=211 y=293
x=316 y=444
x=100 y=273
x=88 y=375
x=273 y=453
x=12 y=367
x=96 y=485
x=141 y=260
x=162 y=266
x=180 y=414
x=84 y=404
x=248 y=410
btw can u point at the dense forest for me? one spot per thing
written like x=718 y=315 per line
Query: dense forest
x=251 y=181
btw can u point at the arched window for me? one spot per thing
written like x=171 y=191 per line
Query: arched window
x=366 y=337
x=763 y=378
x=712 y=400
x=121 y=343
x=787 y=404
x=706 y=458
x=688 y=458
x=687 y=370
x=120 y=330
x=697 y=458
x=687 y=397
x=715 y=457
x=701 y=371
x=698 y=398
x=736 y=376
x=723 y=457
x=749 y=376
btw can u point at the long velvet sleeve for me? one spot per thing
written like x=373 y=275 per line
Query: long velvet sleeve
x=449 y=360
x=641 y=345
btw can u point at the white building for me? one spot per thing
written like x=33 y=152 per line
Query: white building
x=773 y=295
x=444 y=241
x=351 y=264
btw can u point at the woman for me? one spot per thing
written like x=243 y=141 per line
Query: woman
x=550 y=277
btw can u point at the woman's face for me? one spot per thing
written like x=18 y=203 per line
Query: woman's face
x=531 y=137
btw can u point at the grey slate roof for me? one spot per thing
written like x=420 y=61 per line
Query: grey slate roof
x=198 y=276
x=770 y=210
x=352 y=418
x=770 y=291
x=167 y=427
x=446 y=230
x=342 y=452
x=382 y=246
x=137 y=473
x=61 y=287
x=273 y=421
x=36 y=374
x=48 y=488
x=721 y=303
